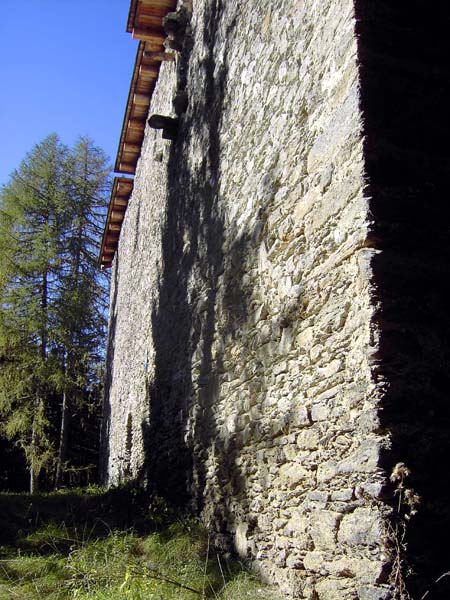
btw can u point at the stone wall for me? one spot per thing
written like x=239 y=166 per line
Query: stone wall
x=245 y=338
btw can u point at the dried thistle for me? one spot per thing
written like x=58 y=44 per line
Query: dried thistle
x=399 y=472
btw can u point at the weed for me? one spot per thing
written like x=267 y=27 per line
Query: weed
x=62 y=550
x=407 y=503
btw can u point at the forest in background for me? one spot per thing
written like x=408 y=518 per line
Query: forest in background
x=53 y=315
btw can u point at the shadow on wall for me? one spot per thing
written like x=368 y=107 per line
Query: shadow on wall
x=184 y=320
x=405 y=101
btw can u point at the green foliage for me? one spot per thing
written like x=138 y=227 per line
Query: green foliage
x=52 y=301
x=90 y=560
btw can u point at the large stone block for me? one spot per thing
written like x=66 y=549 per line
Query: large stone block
x=323 y=527
x=363 y=527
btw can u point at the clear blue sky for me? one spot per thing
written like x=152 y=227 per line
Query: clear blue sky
x=65 y=67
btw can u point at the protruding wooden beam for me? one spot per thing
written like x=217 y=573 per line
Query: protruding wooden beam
x=120 y=202
x=148 y=21
x=125 y=186
x=127 y=168
x=132 y=147
x=145 y=86
x=161 y=5
x=117 y=215
x=141 y=100
x=136 y=124
x=149 y=35
x=148 y=71
x=159 y=56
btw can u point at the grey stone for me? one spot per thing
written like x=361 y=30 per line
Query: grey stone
x=335 y=589
x=240 y=540
x=323 y=526
x=371 y=592
x=362 y=527
x=319 y=412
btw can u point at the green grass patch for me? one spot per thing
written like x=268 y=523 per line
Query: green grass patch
x=62 y=549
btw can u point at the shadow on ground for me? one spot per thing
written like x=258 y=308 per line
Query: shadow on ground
x=38 y=522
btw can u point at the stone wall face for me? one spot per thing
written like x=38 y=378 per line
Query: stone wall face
x=241 y=337
x=134 y=291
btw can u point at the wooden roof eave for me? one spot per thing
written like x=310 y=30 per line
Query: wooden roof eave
x=128 y=110
x=114 y=219
x=144 y=23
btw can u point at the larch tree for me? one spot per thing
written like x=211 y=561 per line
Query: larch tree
x=31 y=206
x=82 y=301
x=52 y=298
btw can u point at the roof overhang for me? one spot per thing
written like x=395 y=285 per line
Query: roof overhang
x=145 y=24
x=120 y=194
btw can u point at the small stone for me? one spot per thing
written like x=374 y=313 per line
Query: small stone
x=315 y=352
x=294 y=562
x=240 y=540
x=280 y=558
x=286 y=340
x=373 y=489
x=305 y=204
x=305 y=338
x=297 y=524
x=300 y=417
x=308 y=439
x=365 y=570
x=332 y=368
x=363 y=460
x=342 y=495
x=279 y=524
x=318 y=496
x=326 y=177
x=335 y=589
x=313 y=561
x=319 y=412
x=294 y=474
x=295 y=291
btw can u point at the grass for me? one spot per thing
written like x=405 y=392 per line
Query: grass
x=56 y=547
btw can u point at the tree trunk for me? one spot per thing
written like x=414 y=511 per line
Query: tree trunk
x=63 y=439
x=34 y=468
x=34 y=479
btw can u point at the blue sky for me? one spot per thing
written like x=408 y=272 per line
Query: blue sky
x=65 y=67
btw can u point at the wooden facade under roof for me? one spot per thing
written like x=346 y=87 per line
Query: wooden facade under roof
x=145 y=24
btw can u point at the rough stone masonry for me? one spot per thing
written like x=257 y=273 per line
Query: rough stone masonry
x=264 y=344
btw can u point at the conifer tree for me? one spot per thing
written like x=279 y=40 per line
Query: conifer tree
x=83 y=289
x=31 y=207
x=52 y=297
